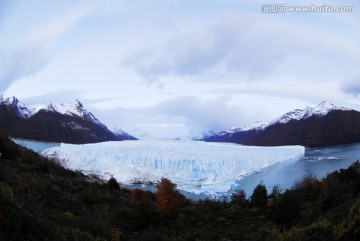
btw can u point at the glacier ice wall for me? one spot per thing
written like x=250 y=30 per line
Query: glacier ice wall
x=198 y=167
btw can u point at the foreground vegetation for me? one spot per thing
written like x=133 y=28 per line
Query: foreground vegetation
x=40 y=200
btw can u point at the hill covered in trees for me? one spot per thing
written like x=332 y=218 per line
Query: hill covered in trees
x=39 y=200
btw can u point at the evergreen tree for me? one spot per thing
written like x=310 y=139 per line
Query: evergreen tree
x=112 y=184
x=259 y=196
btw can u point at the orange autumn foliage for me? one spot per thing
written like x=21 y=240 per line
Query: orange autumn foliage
x=168 y=199
x=138 y=195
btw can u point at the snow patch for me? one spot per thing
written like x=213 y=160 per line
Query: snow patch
x=258 y=125
x=320 y=110
x=22 y=110
x=74 y=109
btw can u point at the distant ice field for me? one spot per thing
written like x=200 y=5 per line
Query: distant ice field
x=197 y=167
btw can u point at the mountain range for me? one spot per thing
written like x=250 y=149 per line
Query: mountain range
x=70 y=123
x=323 y=125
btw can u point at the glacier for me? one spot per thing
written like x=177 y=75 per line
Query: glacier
x=195 y=166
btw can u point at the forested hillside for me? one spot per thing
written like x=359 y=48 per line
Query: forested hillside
x=40 y=200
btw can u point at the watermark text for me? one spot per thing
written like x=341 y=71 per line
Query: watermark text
x=283 y=8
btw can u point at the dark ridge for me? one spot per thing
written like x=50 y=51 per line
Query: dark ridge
x=52 y=126
x=338 y=127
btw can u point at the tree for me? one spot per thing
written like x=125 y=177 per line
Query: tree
x=168 y=199
x=239 y=197
x=276 y=191
x=112 y=184
x=287 y=208
x=274 y=196
x=259 y=196
x=309 y=187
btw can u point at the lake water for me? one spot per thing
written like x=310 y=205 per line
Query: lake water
x=318 y=161
x=36 y=146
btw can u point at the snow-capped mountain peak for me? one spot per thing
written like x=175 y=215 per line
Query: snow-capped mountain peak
x=73 y=109
x=320 y=110
x=258 y=125
x=325 y=107
x=51 y=107
x=21 y=109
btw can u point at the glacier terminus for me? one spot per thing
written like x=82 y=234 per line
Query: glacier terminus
x=195 y=166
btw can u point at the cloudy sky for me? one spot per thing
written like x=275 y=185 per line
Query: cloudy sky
x=179 y=67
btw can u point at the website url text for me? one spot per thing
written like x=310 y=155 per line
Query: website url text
x=282 y=8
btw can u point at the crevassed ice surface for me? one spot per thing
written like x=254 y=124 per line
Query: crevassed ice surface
x=198 y=167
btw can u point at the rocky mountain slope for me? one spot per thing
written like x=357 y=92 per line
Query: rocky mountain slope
x=70 y=123
x=323 y=125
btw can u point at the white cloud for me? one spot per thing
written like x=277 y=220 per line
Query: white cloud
x=214 y=113
x=204 y=63
x=351 y=86
x=31 y=54
x=246 y=47
x=181 y=116
x=20 y=62
x=234 y=43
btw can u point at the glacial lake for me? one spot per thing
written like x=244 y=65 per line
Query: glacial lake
x=36 y=146
x=318 y=161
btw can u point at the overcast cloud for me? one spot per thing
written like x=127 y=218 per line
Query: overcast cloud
x=18 y=63
x=351 y=86
x=178 y=68
x=233 y=44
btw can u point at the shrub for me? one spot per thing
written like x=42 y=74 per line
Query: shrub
x=350 y=228
x=139 y=195
x=6 y=190
x=69 y=215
